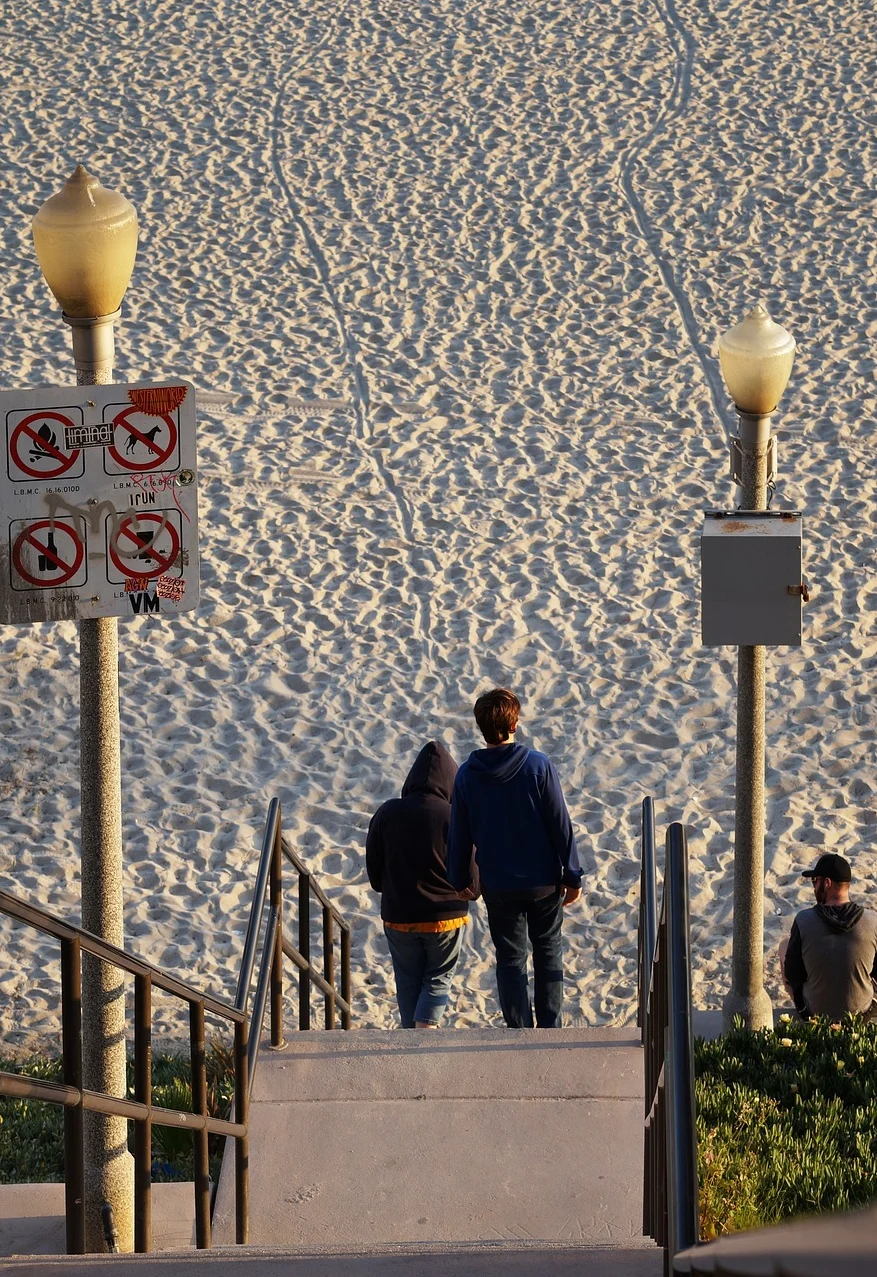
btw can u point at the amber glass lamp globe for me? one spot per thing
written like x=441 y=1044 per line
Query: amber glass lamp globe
x=756 y=359
x=86 y=241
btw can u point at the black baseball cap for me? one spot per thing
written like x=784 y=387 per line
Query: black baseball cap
x=830 y=866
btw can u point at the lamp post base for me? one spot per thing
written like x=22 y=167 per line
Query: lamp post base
x=755 y=1010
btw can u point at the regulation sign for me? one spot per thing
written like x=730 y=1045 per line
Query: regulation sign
x=99 y=502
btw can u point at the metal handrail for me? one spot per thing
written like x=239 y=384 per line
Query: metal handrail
x=670 y=1187
x=17 y=1086
x=276 y=945
x=648 y=891
x=263 y=875
x=41 y=920
x=76 y=1099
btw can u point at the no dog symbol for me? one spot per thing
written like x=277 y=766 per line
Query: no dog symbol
x=142 y=442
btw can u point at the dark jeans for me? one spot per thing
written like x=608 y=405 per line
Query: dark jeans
x=511 y=921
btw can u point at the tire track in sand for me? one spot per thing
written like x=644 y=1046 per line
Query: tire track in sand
x=673 y=108
x=361 y=395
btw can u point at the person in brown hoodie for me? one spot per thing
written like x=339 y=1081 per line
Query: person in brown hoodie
x=831 y=960
x=424 y=916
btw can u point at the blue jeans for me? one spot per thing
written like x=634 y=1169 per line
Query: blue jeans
x=511 y=921
x=423 y=964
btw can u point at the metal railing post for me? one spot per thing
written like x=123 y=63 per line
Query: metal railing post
x=648 y=911
x=200 y=1137
x=304 y=948
x=345 y=976
x=143 y=1130
x=329 y=965
x=242 y=1142
x=277 y=963
x=682 y=1205
x=670 y=1188
x=74 y=1146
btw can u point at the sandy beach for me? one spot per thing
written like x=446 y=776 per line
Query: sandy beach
x=448 y=278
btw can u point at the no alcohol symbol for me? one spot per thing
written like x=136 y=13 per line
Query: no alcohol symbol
x=47 y=553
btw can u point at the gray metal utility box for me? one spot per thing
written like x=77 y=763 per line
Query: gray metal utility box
x=751 y=584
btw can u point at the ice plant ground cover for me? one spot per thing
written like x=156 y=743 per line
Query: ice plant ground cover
x=786 y=1123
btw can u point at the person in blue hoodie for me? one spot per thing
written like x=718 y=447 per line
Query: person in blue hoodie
x=424 y=917
x=507 y=800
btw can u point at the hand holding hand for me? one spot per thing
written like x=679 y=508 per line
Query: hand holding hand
x=468 y=893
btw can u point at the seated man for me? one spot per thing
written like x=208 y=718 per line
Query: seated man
x=831 y=960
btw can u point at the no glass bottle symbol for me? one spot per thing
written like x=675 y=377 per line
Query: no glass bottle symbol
x=47 y=553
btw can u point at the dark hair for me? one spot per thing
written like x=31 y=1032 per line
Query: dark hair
x=496 y=714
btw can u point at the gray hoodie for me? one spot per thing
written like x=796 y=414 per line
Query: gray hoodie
x=831 y=961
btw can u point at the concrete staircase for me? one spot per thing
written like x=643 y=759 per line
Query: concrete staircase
x=453 y=1152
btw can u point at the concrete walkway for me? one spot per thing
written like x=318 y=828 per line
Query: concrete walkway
x=32 y=1218
x=500 y=1260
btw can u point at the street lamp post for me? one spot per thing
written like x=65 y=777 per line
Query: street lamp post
x=86 y=240
x=756 y=361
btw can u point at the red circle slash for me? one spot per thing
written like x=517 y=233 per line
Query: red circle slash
x=156 y=454
x=61 y=462
x=141 y=545
x=43 y=543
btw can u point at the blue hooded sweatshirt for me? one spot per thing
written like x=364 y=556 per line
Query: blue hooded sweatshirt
x=508 y=802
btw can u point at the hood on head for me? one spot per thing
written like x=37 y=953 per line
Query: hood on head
x=433 y=772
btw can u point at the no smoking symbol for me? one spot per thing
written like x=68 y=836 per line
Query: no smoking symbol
x=145 y=447
x=133 y=550
x=47 y=554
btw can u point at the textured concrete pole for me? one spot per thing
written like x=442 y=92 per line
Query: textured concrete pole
x=748 y=997
x=109 y=1167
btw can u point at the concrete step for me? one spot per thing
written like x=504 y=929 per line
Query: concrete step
x=487 y=1260
x=492 y=1064
x=445 y=1136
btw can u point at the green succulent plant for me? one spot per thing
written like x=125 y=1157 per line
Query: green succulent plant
x=786 y=1122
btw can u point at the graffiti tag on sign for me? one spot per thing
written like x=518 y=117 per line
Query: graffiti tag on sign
x=170 y=587
x=88 y=436
x=144 y=602
x=150 y=484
